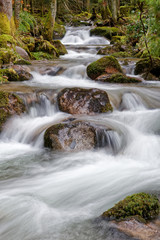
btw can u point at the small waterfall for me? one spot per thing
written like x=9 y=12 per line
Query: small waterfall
x=131 y=101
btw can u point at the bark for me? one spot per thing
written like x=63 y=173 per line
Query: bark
x=88 y=5
x=114 y=8
x=6 y=8
x=17 y=9
x=53 y=11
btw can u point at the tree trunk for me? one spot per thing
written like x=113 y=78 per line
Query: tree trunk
x=5 y=16
x=88 y=5
x=53 y=11
x=17 y=9
x=114 y=8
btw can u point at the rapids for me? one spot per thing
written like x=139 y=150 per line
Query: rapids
x=58 y=196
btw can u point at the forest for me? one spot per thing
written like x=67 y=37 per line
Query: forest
x=79 y=119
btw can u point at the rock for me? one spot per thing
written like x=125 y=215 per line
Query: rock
x=137 y=229
x=122 y=54
x=105 y=65
x=107 y=32
x=60 y=47
x=83 y=101
x=72 y=136
x=59 y=31
x=7 y=56
x=23 y=72
x=22 y=62
x=10 y=104
x=45 y=46
x=30 y=42
x=10 y=73
x=144 y=67
x=22 y=53
x=117 y=78
x=52 y=71
x=142 y=205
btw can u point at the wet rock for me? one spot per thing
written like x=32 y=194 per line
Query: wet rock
x=10 y=104
x=83 y=101
x=105 y=65
x=52 y=71
x=145 y=67
x=60 y=47
x=107 y=32
x=142 y=231
x=72 y=136
x=22 y=53
x=117 y=78
x=23 y=72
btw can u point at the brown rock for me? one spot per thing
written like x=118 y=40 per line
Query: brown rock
x=22 y=53
x=83 y=101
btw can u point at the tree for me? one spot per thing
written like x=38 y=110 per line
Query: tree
x=5 y=16
x=17 y=8
x=53 y=11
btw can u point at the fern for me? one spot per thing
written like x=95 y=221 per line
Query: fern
x=27 y=22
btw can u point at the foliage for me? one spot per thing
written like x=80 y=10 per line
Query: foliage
x=27 y=22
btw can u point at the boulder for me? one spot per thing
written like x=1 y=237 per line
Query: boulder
x=105 y=65
x=142 y=205
x=71 y=136
x=83 y=101
x=60 y=47
x=22 y=53
x=107 y=32
x=145 y=67
x=59 y=31
x=117 y=78
x=23 y=72
x=10 y=104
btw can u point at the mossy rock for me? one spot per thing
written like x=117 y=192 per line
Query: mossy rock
x=47 y=47
x=10 y=104
x=8 y=55
x=107 y=32
x=122 y=54
x=144 y=205
x=3 y=79
x=60 y=47
x=10 y=74
x=107 y=64
x=6 y=41
x=22 y=62
x=144 y=67
x=108 y=50
x=117 y=78
x=71 y=136
x=119 y=39
x=29 y=42
x=58 y=31
x=42 y=56
x=84 y=101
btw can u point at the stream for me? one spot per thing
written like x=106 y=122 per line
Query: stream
x=46 y=195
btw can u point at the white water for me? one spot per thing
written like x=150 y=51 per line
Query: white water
x=55 y=196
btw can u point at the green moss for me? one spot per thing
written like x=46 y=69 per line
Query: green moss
x=4 y=24
x=47 y=47
x=107 y=32
x=121 y=78
x=144 y=66
x=119 y=39
x=107 y=107
x=144 y=205
x=42 y=56
x=98 y=67
x=10 y=74
x=121 y=54
x=29 y=42
x=6 y=41
x=59 y=47
x=22 y=62
x=58 y=31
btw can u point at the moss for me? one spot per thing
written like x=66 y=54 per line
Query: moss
x=121 y=54
x=121 y=78
x=99 y=67
x=119 y=39
x=144 y=66
x=5 y=27
x=9 y=104
x=107 y=32
x=42 y=56
x=58 y=31
x=46 y=46
x=22 y=62
x=144 y=205
x=10 y=74
x=6 y=41
x=30 y=42
x=124 y=10
x=59 y=46
x=106 y=108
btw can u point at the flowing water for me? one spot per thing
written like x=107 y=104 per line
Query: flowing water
x=58 y=196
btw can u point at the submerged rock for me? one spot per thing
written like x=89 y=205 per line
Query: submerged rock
x=10 y=104
x=145 y=67
x=83 y=101
x=72 y=136
x=117 y=78
x=105 y=65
